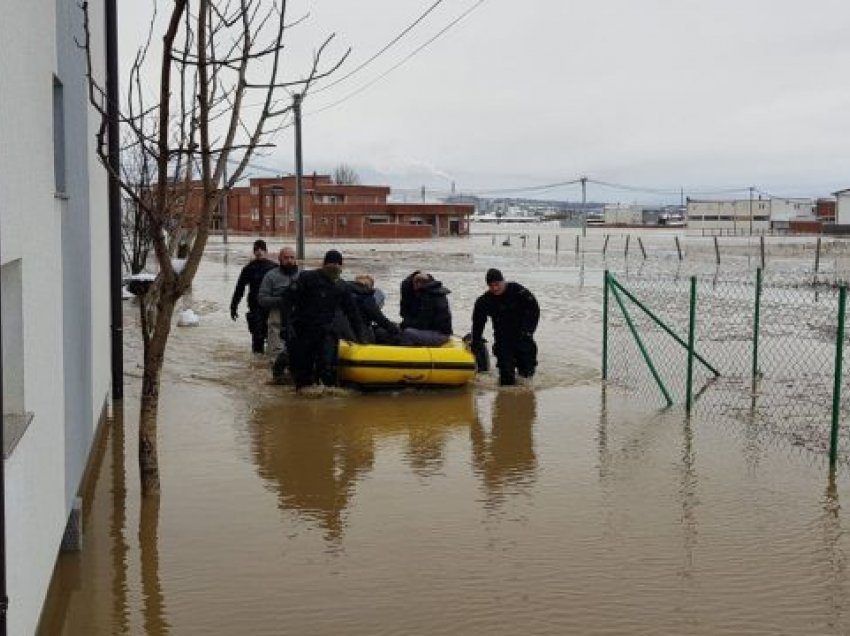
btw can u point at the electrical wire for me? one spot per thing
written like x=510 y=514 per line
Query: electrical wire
x=403 y=60
x=381 y=52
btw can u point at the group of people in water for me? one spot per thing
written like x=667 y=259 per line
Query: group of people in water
x=298 y=316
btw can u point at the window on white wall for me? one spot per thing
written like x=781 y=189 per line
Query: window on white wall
x=15 y=418
x=59 y=174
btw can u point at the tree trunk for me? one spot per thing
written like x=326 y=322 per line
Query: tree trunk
x=154 y=358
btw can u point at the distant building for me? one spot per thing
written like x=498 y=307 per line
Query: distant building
x=267 y=207
x=732 y=216
x=842 y=207
x=792 y=214
x=641 y=215
x=617 y=214
x=825 y=210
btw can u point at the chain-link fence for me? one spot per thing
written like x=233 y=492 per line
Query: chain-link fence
x=764 y=351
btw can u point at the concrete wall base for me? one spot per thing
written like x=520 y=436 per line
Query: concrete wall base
x=72 y=540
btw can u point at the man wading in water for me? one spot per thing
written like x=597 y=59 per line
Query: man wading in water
x=276 y=300
x=515 y=313
x=251 y=276
x=318 y=294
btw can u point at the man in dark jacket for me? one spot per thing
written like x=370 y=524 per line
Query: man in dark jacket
x=378 y=328
x=515 y=313
x=317 y=296
x=425 y=315
x=251 y=277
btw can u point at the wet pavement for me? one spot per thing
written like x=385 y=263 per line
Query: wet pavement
x=562 y=508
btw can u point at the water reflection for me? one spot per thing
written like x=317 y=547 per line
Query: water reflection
x=688 y=496
x=836 y=559
x=89 y=590
x=313 y=452
x=118 y=521
x=505 y=458
x=153 y=598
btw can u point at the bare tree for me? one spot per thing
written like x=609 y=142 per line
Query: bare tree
x=217 y=56
x=135 y=233
x=345 y=175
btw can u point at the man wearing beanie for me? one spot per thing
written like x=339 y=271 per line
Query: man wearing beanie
x=515 y=313
x=251 y=277
x=318 y=295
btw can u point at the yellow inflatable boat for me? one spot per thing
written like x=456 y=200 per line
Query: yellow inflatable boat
x=452 y=364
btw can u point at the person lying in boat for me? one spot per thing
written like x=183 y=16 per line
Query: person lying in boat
x=426 y=317
x=378 y=329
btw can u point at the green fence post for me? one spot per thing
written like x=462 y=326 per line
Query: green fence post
x=691 y=333
x=605 y=327
x=756 y=324
x=641 y=346
x=836 y=387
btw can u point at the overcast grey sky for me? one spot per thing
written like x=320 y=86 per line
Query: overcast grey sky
x=705 y=94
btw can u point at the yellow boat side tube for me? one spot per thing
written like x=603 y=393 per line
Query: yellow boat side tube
x=381 y=365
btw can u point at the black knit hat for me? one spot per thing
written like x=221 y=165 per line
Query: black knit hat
x=260 y=244
x=493 y=276
x=332 y=256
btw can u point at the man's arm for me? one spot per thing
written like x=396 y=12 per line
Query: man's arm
x=241 y=284
x=531 y=312
x=443 y=317
x=374 y=314
x=479 y=319
x=352 y=313
x=265 y=297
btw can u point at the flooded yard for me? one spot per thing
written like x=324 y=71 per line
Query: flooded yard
x=565 y=508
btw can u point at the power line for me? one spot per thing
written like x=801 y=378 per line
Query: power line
x=382 y=51
x=619 y=186
x=403 y=60
x=545 y=187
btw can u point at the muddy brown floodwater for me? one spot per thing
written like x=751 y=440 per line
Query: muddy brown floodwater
x=564 y=508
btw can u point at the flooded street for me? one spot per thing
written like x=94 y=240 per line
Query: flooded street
x=563 y=509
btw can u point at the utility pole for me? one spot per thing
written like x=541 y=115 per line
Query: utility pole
x=299 y=187
x=114 y=193
x=583 y=204
x=423 y=194
x=751 y=210
x=223 y=206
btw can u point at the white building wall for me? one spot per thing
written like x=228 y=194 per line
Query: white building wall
x=842 y=207
x=732 y=216
x=44 y=470
x=100 y=351
x=623 y=214
x=784 y=210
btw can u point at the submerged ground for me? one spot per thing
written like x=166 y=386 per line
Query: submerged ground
x=558 y=509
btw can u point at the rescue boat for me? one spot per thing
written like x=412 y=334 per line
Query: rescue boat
x=369 y=365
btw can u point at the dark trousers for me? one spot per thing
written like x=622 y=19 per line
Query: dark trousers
x=313 y=356
x=515 y=354
x=257 y=326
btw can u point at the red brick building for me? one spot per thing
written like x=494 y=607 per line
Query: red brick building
x=825 y=210
x=267 y=207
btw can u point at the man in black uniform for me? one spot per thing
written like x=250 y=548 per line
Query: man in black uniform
x=251 y=277
x=515 y=313
x=318 y=294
